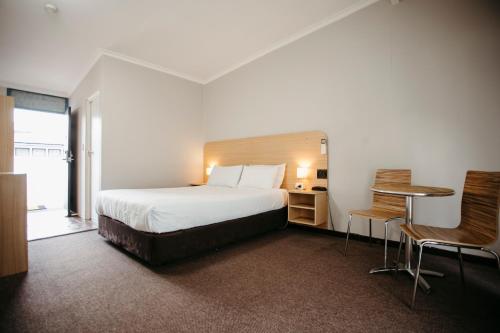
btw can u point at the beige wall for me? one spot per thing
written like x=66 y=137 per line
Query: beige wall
x=415 y=85
x=3 y=91
x=151 y=125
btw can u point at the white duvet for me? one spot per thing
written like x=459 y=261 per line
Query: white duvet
x=169 y=209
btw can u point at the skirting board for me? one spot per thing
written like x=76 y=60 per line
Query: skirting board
x=429 y=250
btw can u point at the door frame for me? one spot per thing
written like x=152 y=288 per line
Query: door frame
x=72 y=205
x=91 y=131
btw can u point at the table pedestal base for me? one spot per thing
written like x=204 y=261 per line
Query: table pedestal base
x=421 y=281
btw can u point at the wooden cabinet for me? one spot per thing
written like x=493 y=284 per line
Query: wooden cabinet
x=307 y=207
x=6 y=134
x=13 y=214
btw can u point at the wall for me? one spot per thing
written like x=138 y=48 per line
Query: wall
x=151 y=125
x=3 y=91
x=89 y=85
x=414 y=85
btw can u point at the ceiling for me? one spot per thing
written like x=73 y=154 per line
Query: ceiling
x=196 y=39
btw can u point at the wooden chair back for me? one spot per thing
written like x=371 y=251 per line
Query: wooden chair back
x=480 y=203
x=387 y=201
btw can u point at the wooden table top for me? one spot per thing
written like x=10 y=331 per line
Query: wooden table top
x=413 y=190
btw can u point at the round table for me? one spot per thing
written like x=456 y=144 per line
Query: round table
x=410 y=192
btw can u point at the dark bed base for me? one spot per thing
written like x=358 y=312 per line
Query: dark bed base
x=157 y=249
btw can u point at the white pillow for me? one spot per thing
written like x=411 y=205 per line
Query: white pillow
x=225 y=176
x=258 y=176
x=279 y=175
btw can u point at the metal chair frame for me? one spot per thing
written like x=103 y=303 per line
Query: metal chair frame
x=460 y=260
x=386 y=230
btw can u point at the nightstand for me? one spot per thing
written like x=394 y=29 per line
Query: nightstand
x=197 y=184
x=307 y=207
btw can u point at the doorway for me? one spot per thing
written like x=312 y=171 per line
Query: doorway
x=42 y=150
x=40 y=143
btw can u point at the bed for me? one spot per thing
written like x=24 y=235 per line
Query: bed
x=165 y=224
x=161 y=225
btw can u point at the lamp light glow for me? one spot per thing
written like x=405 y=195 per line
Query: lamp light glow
x=302 y=172
x=209 y=170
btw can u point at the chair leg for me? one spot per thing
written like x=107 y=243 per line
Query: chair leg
x=370 y=224
x=460 y=260
x=417 y=275
x=385 y=243
x=401 y=241
x=348 y=232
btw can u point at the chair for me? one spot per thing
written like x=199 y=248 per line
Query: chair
x=385 y=207
x=477 y=228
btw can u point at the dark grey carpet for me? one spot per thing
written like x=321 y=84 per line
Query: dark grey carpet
x=288 y=281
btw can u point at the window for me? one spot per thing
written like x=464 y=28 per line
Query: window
x=54 y=153
x=39 y=152
x=22 y=152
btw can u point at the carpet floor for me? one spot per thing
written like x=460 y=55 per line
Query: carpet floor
x=286 y=281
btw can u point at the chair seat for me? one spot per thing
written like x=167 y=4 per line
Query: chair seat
x=378 y=214
x=454 y=236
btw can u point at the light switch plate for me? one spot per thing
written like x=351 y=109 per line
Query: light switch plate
x=322 y=173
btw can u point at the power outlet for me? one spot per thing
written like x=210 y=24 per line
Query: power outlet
x=322 y=173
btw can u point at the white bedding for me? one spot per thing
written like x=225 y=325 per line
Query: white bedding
x=170 y=209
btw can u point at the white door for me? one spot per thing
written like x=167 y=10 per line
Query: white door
x=94 y=154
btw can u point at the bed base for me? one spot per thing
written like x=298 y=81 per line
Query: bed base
x=157 y=249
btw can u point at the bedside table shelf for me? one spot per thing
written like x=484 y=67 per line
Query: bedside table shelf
x=307 y=207
x=303 y=206
x=303 y=220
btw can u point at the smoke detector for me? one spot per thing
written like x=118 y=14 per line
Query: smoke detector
x=51 y=8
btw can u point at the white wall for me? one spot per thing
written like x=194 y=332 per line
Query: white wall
x=415 y=85
x=91 y=84
x=151 y=125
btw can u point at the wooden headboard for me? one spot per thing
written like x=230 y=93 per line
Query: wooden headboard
x=295 y=149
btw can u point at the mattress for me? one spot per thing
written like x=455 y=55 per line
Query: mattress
x=163 y=210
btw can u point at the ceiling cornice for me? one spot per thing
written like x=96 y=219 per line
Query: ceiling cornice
x=275 y=46
x=132 y=60
x=150 y=65
x=304 y=32
x=96 y=56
